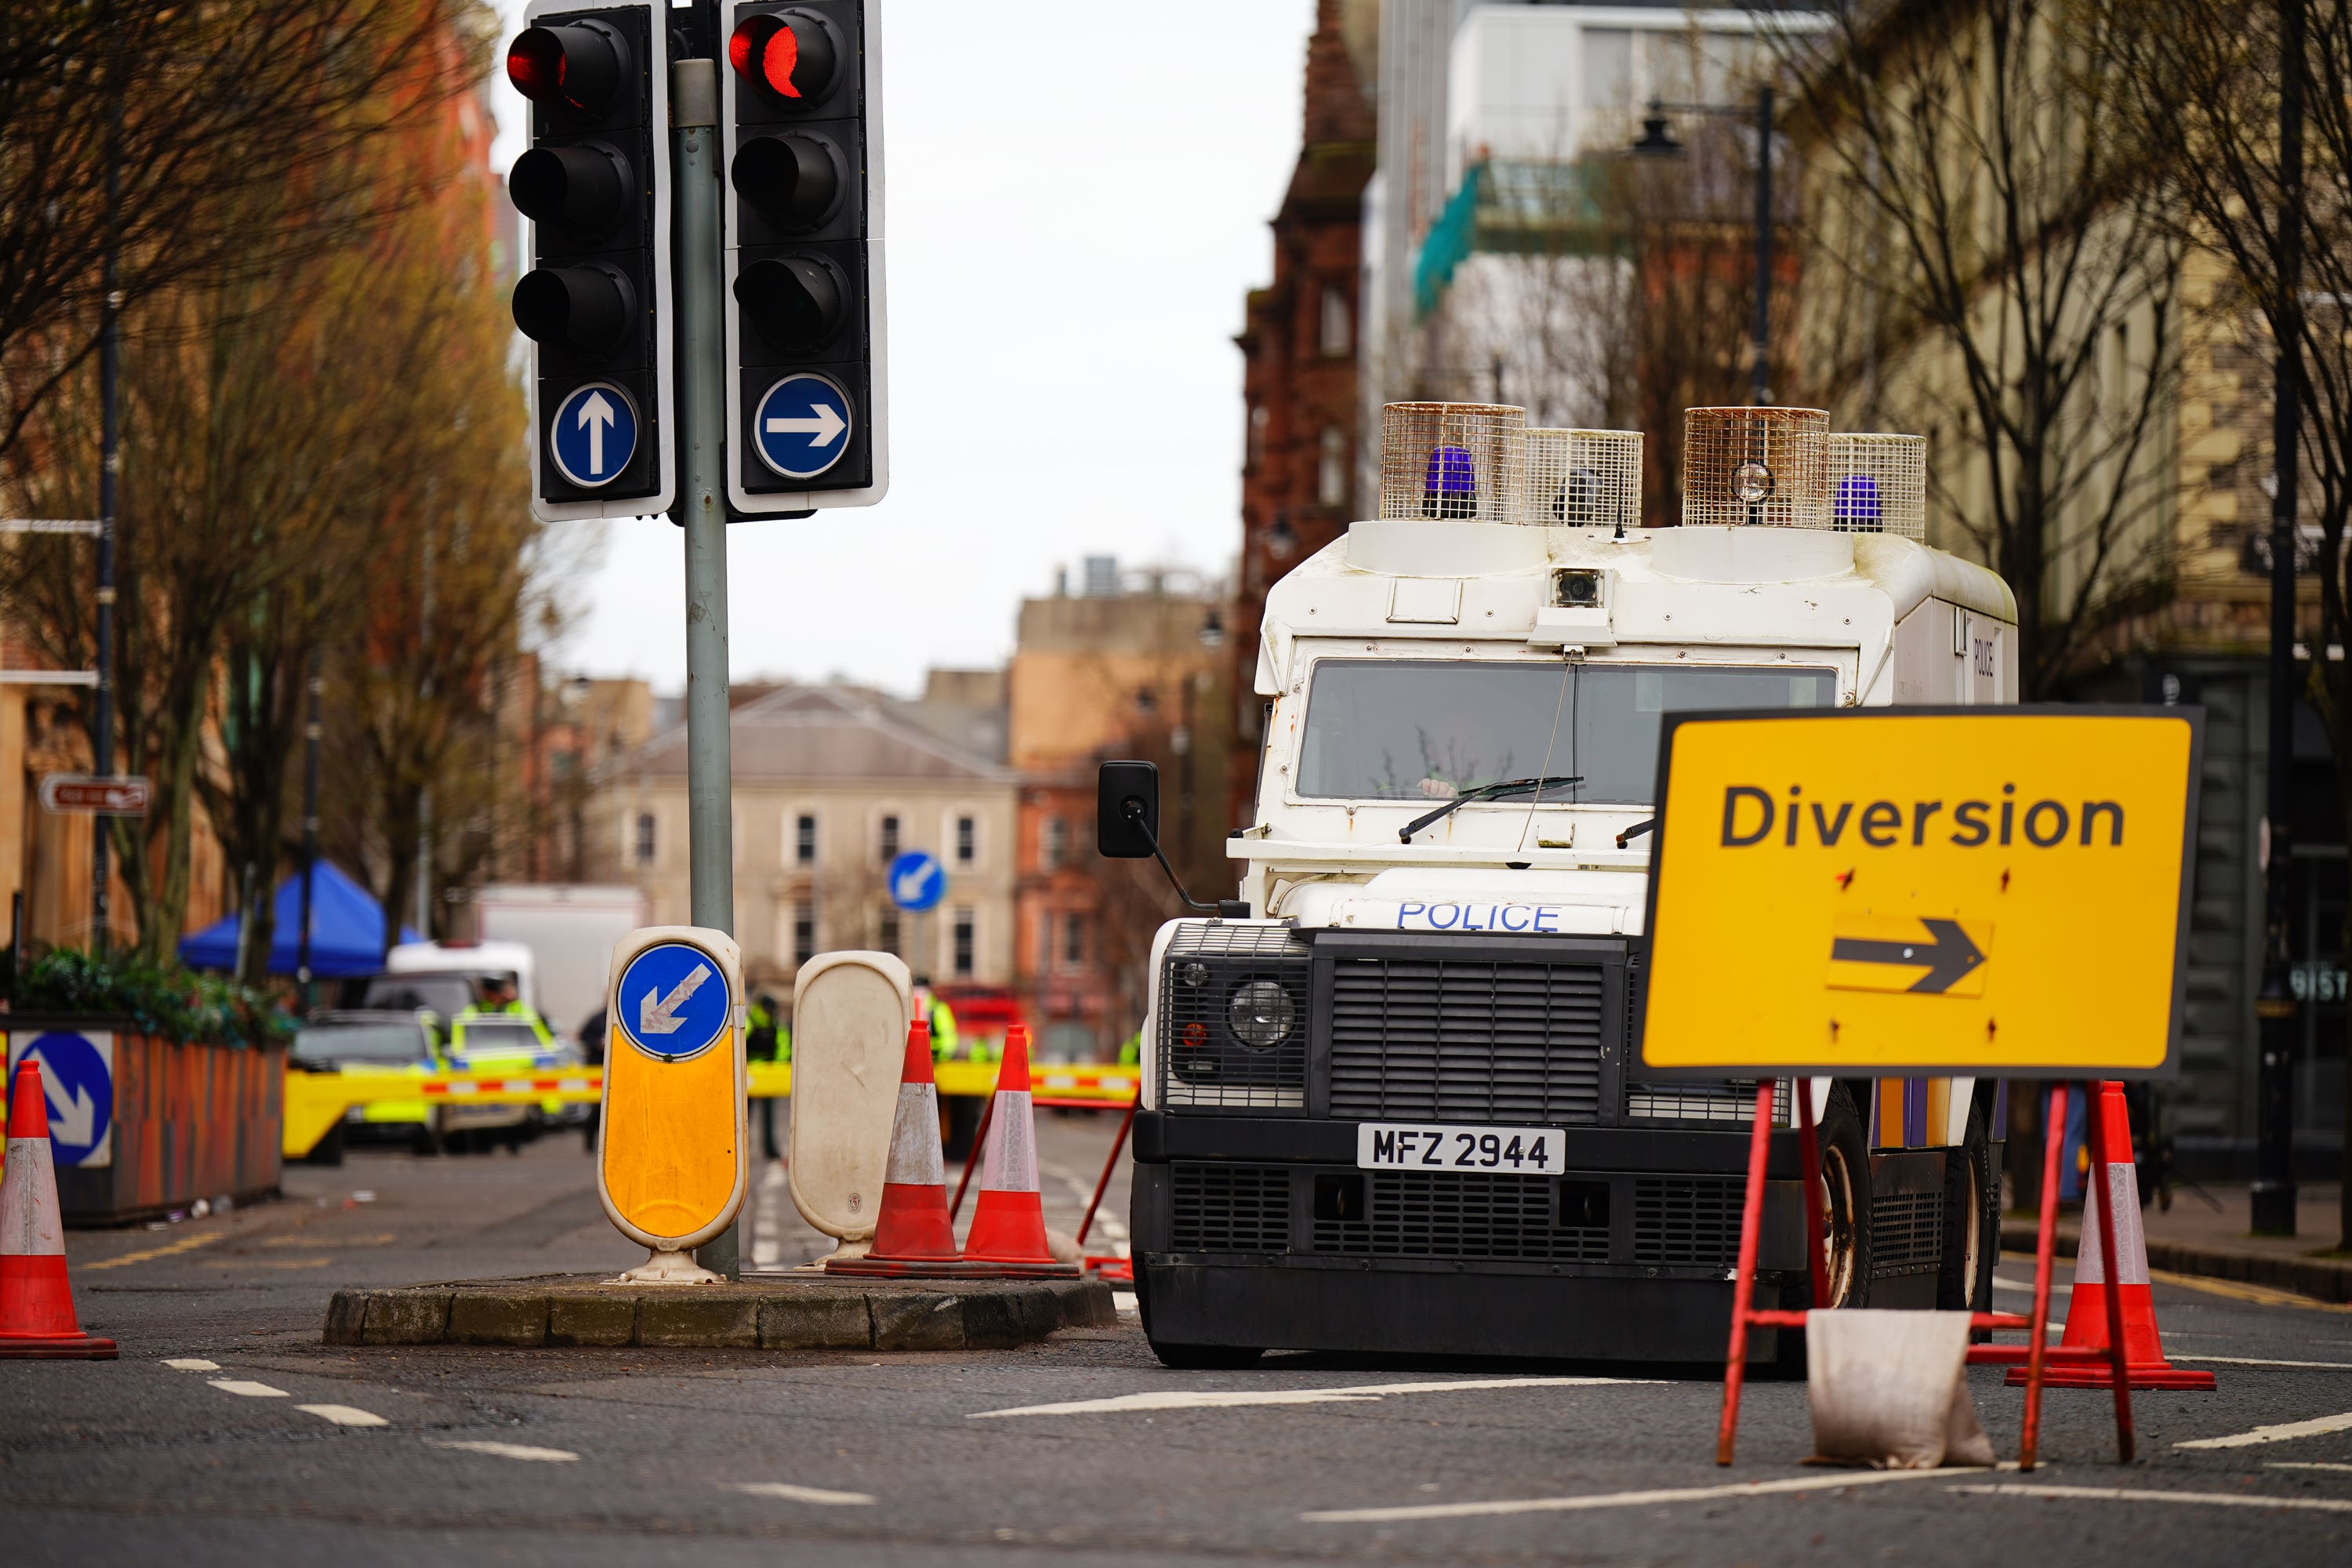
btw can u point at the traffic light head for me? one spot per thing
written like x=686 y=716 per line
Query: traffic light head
x=576 y=66
x=803 y=307
x=793 y=54
x=596 y=302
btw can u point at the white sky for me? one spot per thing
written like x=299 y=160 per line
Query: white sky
x=1079 y=192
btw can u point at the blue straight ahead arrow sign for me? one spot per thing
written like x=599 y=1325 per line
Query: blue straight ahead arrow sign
x=593 y=434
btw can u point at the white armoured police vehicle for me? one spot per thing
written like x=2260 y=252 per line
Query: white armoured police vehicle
x=1392 y=1098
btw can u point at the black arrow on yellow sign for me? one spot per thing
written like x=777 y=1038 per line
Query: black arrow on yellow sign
x=1949 y=957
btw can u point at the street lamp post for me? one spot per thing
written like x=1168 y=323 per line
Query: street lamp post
x=1658 y=140
x=2274 y=1195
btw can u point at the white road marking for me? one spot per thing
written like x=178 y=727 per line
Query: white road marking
x=1123 y=1301
x=1221 y=1398
x=767 y=1246
x=2305 y=1465
x=2274 y=1433
x=2025 y=1287
x=509 y=1451
x=1618 y=1499
x=2120 y=1494
x=790 y=1493
x=2258 y=1361
x=192 y=1363
x=345 y=1414
x=250 y=1389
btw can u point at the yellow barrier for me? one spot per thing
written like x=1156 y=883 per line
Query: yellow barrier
x=315 y=1102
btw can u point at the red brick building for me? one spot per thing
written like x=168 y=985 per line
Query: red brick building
x=1299 y=345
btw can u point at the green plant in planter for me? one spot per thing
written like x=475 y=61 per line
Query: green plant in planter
x=169 y=1000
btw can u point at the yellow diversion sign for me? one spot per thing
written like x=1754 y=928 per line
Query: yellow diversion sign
x=672 y=1163
x=1884 y=891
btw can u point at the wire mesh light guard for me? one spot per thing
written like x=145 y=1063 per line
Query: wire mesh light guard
x=1764 y=468
x=1580 y=478
x=1455 y=460
x=1878 y=483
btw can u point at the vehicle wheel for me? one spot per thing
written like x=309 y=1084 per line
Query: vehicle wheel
x=427 y=1144
x=327 y=1151
x=1845 y=1223
x=1845 y=1209
x=1971 y=1222
x=959 y=1123
x=1187 y=1358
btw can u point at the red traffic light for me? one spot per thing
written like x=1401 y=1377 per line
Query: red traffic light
x=577 y=64
x=791 y=55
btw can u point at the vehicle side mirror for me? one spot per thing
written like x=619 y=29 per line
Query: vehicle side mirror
x=1127 y=810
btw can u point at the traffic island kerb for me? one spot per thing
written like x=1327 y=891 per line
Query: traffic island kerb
x=805 y=1314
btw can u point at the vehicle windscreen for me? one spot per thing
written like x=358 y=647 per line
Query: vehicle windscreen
x=446 y=995
x=1430 y=730
x=483 y=1038
x=398 y=1044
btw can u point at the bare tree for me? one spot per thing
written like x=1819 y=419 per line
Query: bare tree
x=1981 y=232
x=151 y=128
x=2198 y=88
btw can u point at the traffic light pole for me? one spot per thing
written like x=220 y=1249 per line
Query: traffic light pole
x=701 y=356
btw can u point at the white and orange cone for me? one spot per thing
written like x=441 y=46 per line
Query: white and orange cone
x=1008 y=1224
x=912 y=1234
x=2086 y=1309
x=36 y=1309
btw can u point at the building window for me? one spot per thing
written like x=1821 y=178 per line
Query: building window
x=1074 y=941
x=804 y=932
x=645 y=838
x=1045 y=941
x=887 y=937
x=1331 y=467
x=890 y=839
x=961 y=961
x=1259 y=416
x=1053 y=845
x=804 y=840
x=967 y=840
x=1336 y=331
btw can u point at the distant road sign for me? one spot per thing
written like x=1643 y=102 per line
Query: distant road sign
x=917 y=881
x=1929 y=890
x=593 y=434
x=77 y=1076
x=802 y=425
x=86 y=794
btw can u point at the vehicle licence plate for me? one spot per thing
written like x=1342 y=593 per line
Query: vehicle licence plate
x=1404 y=1146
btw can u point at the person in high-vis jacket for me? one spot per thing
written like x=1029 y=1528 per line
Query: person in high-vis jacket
x=767 y=1040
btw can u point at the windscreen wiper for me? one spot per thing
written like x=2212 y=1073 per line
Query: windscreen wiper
x=1484 y=792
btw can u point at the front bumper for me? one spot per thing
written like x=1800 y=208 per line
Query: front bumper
x=1263 y=1232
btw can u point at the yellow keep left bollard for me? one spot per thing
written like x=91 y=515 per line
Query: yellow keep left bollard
x=672 y=1165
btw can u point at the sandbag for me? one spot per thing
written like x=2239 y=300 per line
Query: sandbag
x=1890 y=1390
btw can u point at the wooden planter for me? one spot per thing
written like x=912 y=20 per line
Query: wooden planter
x=188 y=1122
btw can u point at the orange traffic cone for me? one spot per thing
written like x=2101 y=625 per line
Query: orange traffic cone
x=36 y=1309
x=1008 y=1224
x=2086 y=1310
x=912 y=1231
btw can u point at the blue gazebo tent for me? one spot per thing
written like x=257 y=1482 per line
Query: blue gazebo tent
x=346 y=929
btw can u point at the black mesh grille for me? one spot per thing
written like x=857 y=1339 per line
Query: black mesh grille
x=1412 y=1214
x=1231 y=1208
x=1687 y=1219
x=1907 y=1233
x=1465 y=1040
x=1201 y=1061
